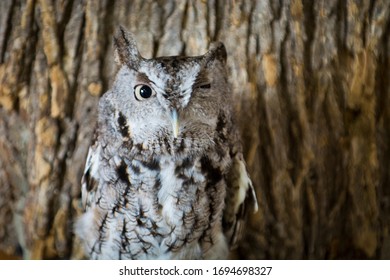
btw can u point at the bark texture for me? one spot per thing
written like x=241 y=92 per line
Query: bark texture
x=312 y=86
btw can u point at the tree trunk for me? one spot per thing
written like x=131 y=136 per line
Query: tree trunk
x=312 y=90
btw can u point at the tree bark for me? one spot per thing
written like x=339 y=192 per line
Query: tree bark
x=311 y=84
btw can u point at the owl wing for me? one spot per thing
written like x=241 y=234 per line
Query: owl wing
x=90 y=179
x=240 y=201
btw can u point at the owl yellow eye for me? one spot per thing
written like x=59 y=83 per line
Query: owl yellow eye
x=142 y=92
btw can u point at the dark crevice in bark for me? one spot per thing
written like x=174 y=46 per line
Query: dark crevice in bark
x=342 y=8
x=208 y=21
x=74 y=87
x=249 y=32
x=309 y=24
x=383 y=139
x=219 y=9
x=277 y=8
x=29 y=65
x=25 y=66
x=292 y=125
x=183 y=27
x=107 y=28
x=61 y=26
x=265 y=186
x=7 y=30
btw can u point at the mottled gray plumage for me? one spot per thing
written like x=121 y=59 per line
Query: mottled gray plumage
x=165 y=177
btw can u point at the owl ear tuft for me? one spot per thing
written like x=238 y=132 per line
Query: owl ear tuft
x=126 y=51
x=217 y=51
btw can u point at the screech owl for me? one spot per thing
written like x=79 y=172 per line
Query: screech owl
x=165 y=177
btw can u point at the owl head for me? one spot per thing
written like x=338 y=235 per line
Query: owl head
x=168 y=104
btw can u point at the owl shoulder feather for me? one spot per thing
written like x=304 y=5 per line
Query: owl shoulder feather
x=90 y=181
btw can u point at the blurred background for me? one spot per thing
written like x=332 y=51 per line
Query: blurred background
x=311 y=81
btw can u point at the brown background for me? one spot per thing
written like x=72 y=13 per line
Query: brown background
x=311 y=84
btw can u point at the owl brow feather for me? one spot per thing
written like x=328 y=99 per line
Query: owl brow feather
x=143 y=78
x=201 y=79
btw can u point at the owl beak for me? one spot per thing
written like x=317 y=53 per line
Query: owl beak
x=175 y=123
